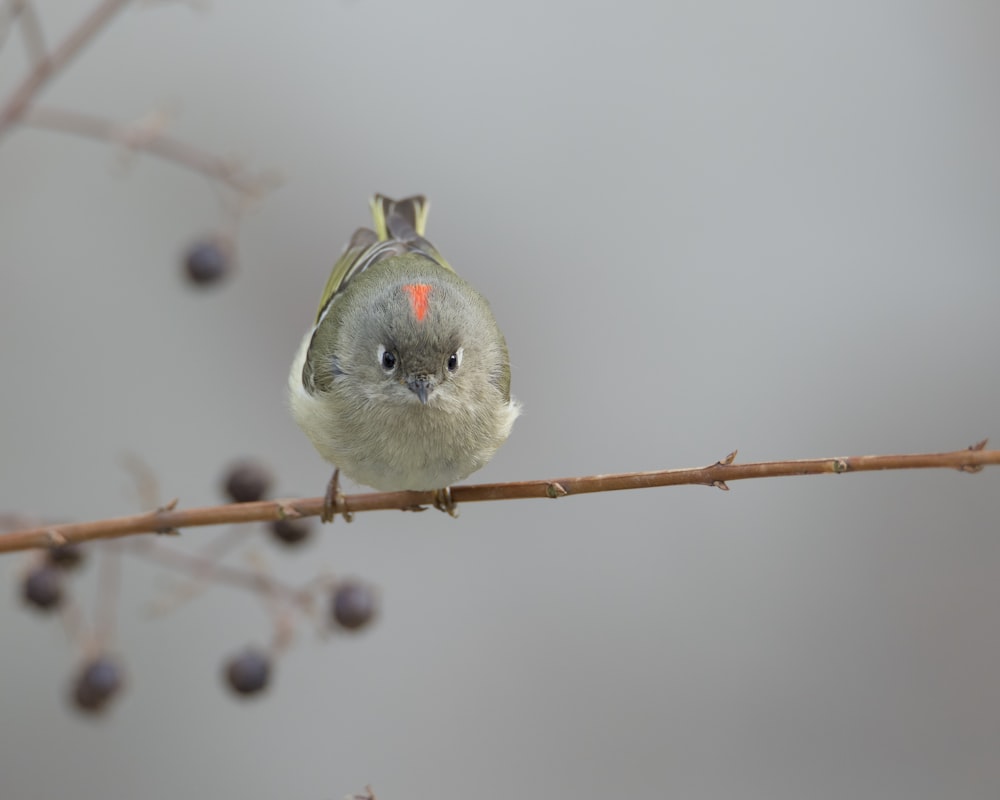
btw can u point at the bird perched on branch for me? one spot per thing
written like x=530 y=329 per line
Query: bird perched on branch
x=403 y=382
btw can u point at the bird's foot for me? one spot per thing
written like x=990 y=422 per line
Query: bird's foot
x=333 y=501
x=444 y=502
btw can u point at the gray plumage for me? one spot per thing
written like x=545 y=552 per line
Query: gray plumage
x=437 y=407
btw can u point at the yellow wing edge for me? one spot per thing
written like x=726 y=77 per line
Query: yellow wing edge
x=399 y=228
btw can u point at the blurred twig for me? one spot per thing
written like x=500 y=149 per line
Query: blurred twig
x=109 y=581
x=48 y=64
x=719 y=474
x=147 y=136
x=23 y=12
x=31 y=30
x=207 y=569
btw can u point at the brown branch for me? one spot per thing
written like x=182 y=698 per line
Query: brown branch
x=48 y=67
x=719 y=475
x=150 y=139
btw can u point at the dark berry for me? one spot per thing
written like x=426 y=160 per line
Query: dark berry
x=248 y=672
x=291 y=531
x=353 y=604
x=66 y=556
x=43 y=588
x=209 y=260
x=98 y=681
x=247 y=481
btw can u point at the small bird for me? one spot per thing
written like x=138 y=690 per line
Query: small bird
x=403 y=382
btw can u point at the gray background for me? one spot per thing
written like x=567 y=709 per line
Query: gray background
x=703 y=226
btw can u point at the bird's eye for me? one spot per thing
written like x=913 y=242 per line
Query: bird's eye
x=386 y=358
x=455 y=360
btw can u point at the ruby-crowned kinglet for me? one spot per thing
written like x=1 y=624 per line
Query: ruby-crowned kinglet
x=404 y=380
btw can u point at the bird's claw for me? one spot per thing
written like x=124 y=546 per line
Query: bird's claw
x=444 y=502
x=333 y=501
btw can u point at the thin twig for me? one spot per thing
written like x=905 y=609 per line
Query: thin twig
x=719 y=475
x=42 y=72
x=23 y=12
x=192 y=564
x=109 y=579
x=147 y=487
x=75 y=627
x=202 y=571
x=10 y=10
x=31 y=30
x=150 y=139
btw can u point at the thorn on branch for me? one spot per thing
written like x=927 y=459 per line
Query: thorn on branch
x=725 y=462
x=55 y=538
x=287 y=511
x=973 y=468
x=167 y=530
x=555 y=489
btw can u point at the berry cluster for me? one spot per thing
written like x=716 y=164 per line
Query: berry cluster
x=351 y=604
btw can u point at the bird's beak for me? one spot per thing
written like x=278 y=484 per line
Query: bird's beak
x=421 y=387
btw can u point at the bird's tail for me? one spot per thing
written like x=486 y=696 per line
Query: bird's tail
x=405 y=221
x=400 y=219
